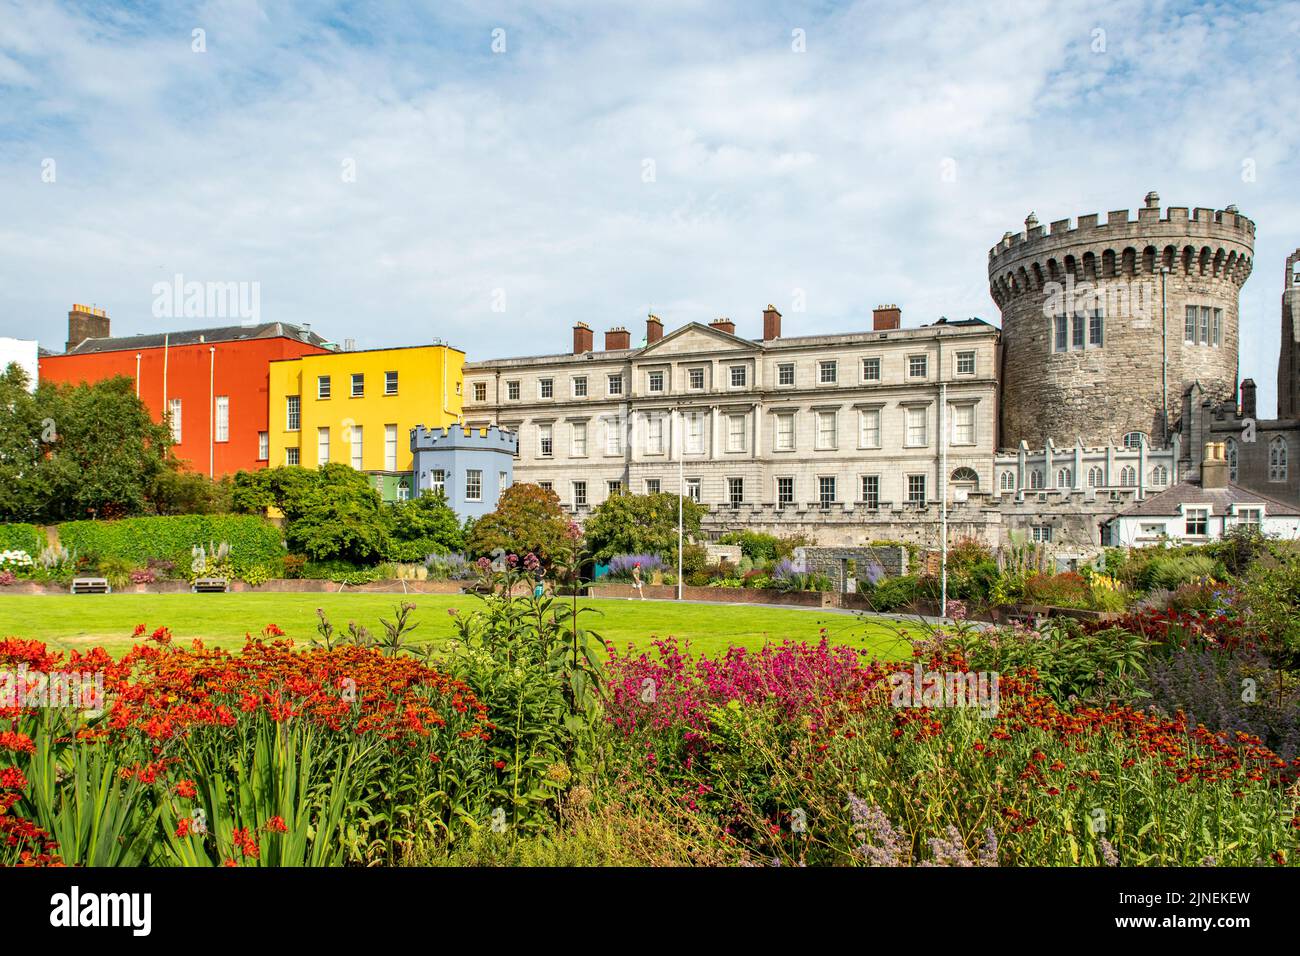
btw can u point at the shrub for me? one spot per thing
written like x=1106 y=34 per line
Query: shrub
x=449 y=567
x=754 y=544
x=893 y=594
x=1175 y=570
x=143 y=576
x=21 y=537
x=117 y=571
x=255 y=574
x=294 y=566
x=1067 y=589
x=620 y=565
x=252 y=540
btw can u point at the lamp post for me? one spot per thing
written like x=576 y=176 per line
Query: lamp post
x=681 y=493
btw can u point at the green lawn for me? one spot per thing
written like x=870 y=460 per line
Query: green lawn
x=65 y=621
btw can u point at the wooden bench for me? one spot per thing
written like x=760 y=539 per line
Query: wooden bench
x=91 y=586
x=210 y=585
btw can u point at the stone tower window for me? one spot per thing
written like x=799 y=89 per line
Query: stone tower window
x=1134 y=439
x=1230 y=453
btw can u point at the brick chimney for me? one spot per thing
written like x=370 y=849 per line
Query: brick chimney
x=86 y=322
x=723 y=325
x=582 y=338
x=654 y=329
x=617 y=338
x=885 y=317
x=1214 y=467
x=1248 y=398
x=771 y=323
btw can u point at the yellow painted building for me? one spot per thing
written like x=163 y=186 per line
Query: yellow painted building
x=358 y=409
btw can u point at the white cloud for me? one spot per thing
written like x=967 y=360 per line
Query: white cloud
x=774 y=170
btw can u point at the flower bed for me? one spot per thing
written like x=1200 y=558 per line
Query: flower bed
x=272 y=756
x=793 y=751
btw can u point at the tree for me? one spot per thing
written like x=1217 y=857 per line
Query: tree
x=78 y=451
x=640 y=524
x=336 y=515
x=528 y=519
x=430 y=520
x=24 y=484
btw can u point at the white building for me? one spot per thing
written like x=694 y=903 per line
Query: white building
x=1195 y=513
x=24 y=352
x=860 y=429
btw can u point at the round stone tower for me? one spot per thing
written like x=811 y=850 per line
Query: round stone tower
x=1105 y=324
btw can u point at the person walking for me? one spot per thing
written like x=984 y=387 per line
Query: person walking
x=636 y=580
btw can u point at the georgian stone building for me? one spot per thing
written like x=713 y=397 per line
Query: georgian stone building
x=853 y=435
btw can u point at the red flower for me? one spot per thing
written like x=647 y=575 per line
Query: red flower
x=186 y=789
x=499 y=764
x=276 y=825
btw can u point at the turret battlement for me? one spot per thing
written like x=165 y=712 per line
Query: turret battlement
x=458 y=436
x=1226 y=225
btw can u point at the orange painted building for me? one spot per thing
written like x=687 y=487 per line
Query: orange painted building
x=211 y=384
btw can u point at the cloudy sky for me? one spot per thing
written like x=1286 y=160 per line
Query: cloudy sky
x=491 y=173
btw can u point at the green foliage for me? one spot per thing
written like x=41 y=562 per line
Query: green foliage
x=1175 y=570
x=1271 y=595
x=332 y=513
x=1104 y=666
x=429 y=524
x=893 y=594
x=137 y=540
x=753 y=544
x=179 y=492
x=640 y=524
x=339 y=571
x=68 y=451
x=528 y=519
x=539 y=673
x=22 y=537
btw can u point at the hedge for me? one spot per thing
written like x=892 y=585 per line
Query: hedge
x=252 y=539
x=22 y=537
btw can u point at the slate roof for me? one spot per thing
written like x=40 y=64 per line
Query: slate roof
x=1167 y=503
x=225 y=333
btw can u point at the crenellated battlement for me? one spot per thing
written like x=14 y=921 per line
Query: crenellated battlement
x=458 y=436
x=1103 y=320
x=1225 y=224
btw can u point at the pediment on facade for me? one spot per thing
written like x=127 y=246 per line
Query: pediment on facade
x=696 y=338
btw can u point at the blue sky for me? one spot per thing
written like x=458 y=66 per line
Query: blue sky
x=499 y=197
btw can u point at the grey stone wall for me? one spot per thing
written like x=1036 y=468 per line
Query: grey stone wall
x=831 y=561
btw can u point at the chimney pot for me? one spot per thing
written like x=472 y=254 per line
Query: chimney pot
x=654 y=329
x=582 y=338
x=617 y=338
x=723 y=324
x=771 y=323
x=1214 y=467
